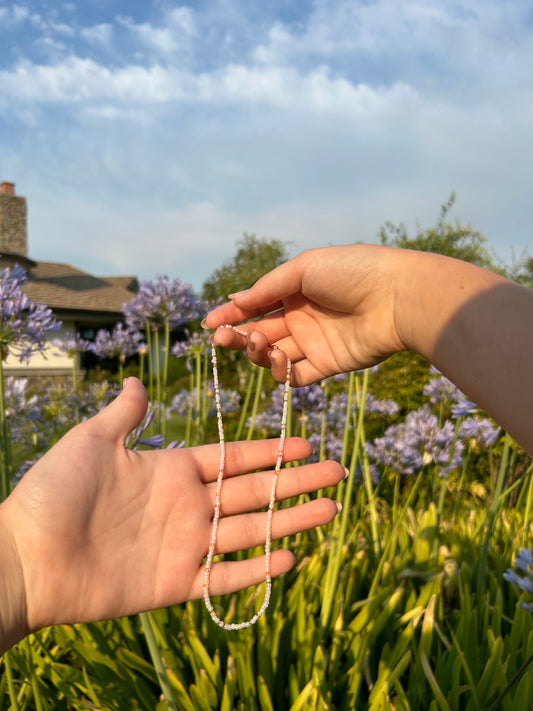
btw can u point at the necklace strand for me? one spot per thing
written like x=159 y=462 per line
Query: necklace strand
x=216 y=515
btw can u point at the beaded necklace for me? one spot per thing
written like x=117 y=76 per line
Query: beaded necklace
x=216 y=515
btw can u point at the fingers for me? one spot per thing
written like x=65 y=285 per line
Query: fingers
x=125 y=412
x=248 y=530
x=250 y=492
x=270 y=289
x=231 y=576
x=245 y=457
x=231 y=313
x=265 y=296
x=303 y=372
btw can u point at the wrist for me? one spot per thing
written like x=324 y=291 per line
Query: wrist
x=431 y=290
x=13 y=625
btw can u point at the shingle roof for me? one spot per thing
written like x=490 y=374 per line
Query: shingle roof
x=62 y=286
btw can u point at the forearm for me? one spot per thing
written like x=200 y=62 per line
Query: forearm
x=12 y=598
x=477 y=328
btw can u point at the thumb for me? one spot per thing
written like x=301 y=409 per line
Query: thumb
x=269 y=290
x=126 y=411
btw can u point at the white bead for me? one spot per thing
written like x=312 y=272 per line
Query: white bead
x=216 y=513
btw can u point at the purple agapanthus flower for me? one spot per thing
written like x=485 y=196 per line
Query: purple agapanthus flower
x=120 y=343
x=417 y=442
x=156 y=441
x=441 y=389
x=23 y=410
x=463 y=407
x=310 y=398
x=70 y=345
x=524 y=562
x=481 y=429
x=162 y=301
x=184 y=401
x=194 y=345
x=387 y=408
x=333 y=446
x=24 y=325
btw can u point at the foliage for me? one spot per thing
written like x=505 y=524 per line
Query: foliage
x=521 y=269
x=400 y=603
x=451 y=239
x=405 y=601
x=254 y=257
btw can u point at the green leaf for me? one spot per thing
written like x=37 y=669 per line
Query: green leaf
x=439 y=696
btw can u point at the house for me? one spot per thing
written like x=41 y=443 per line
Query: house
x=82 y=302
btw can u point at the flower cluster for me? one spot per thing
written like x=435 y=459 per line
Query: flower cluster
x=120 y=343
x=310 y=405
x=416 y=442
x=22 y=408
x=524 y=562
x=161 y=302
x=194 y=345
x=184 y=402
x=70 y=345
x=423 y=439
x=23 y=324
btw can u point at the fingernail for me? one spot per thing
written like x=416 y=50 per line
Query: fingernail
x=204 y=324
x=339 y=506
x=124 y=383
x=346 y=472
x=251 y=346
x=237 y=293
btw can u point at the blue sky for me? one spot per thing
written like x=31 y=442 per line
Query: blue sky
x=148 y=136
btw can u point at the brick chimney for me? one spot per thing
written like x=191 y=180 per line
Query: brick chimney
x=13 y=221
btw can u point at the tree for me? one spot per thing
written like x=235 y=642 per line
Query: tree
x=521 y=269
x=451 y=239
x=254 y=258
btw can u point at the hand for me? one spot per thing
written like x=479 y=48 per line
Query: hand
x=97 y=531
x=338 y=309
x=330 y=310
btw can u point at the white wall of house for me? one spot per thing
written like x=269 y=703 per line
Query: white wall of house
x=50 y=362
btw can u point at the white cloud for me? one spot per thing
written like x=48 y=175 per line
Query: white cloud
x=101 y=34
x=84 y=81
x=172 y=35
x=313 y=130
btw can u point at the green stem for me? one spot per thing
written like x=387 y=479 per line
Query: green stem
x=392 y=536
x=10 y=681
x=141 y=367
x=75 y=385
x=496 y=704
x=205 y=394
x=256 y=403
x=323 y=426
x=188 y=422
x=529 y=503
x=34 y=682
x=493 y=511
x=163 y=423
x=157 y=660
x=157 y=379
x=246 y=404
x=150 y=362
x=337 y=544
x=359 y=438
x=198 y=390
x=7 y=465
x=347 y=423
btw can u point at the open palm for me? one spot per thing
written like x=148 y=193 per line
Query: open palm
x=102 y=531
